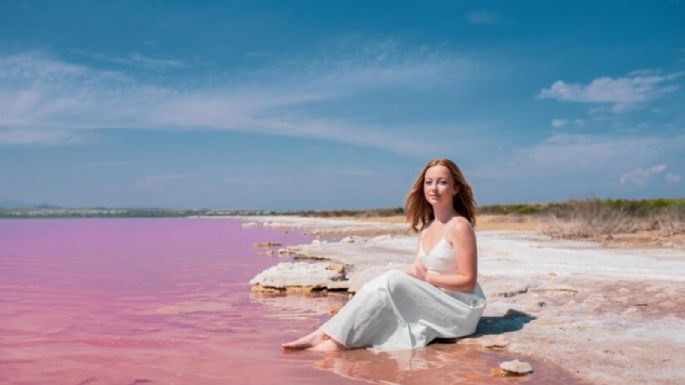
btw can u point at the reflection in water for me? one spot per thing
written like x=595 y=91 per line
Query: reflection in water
x=437 y=364
x=300 y=306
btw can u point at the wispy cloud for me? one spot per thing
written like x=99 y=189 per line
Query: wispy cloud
x=563 y=155
x=640 y=176
x=561 y=122
x=135 y=59
x=673 y=178
x=622 y=93
x=482 y=18
x=47 y=100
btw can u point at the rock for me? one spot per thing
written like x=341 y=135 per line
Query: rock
x=290 y=289
x=249 y=224
x=298 y=277
x=514 y=291
x=495 y=342
x=288 y=251
x=516 y=367
x=340 y=268
x=349 y=239
x=270 y=253
x=266 y=244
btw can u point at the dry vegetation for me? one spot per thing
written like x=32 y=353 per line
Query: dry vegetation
x=604 y=219
x=616 y=222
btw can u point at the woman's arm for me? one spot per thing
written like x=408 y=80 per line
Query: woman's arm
x=463 y=240
x=416 y=268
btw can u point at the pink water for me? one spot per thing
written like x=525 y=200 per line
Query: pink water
x=167 y=301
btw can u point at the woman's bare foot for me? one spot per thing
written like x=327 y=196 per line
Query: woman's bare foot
x=312 y=339
x=329 y=345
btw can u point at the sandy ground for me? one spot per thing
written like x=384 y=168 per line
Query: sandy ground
x=603 y=314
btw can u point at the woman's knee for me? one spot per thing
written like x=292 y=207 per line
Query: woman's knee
x=397 y=281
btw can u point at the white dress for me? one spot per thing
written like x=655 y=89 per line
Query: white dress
x=396 y=311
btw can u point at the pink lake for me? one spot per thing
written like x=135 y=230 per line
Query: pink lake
x=167 y=301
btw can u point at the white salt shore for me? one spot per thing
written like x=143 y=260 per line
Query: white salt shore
x=605 y=315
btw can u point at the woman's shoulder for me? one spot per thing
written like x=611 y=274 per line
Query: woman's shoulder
x=461 y=228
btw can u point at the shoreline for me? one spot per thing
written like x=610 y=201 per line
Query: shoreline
x=599 y=313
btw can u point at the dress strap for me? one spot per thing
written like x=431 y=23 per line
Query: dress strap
x=449 y=227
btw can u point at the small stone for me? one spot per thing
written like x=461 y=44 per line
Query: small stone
x=514 y=291
x=249 y=224
x=286 y=251
x=349 y=239
x=270 y=253
x=516 y=367
x=497 y=343
x=338 y=267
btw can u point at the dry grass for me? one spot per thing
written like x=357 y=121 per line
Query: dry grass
x=594 y=219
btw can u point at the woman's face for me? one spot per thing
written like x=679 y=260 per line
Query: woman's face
x=438 y=186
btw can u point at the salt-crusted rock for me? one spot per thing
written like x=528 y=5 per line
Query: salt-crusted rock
x=340 y=268
x=348 y=239
x=309 y=276
x=249 y=224
x=494 y=341
x=514 y=291
x=288 y=251
x=266 y=244
x=516 y=367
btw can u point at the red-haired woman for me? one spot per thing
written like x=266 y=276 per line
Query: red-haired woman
x=436 y=296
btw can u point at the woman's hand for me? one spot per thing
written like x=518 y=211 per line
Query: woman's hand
x=417 y=270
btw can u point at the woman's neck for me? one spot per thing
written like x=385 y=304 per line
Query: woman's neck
x=443 y=215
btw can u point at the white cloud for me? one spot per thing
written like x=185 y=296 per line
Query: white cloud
x=482 y=18
x=49 y=101
x=673 y=178
x=622 y=93
x=559 y=123
x=641 y=176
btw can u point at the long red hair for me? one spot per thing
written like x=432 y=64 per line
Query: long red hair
x=419 y=212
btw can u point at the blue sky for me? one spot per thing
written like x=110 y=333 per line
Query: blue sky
x=337 y=104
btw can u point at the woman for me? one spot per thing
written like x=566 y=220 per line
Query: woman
x=436 y=296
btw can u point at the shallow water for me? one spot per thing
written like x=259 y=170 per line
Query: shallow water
x=133 y=301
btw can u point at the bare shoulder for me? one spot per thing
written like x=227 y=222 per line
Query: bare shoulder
x=462 y=230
